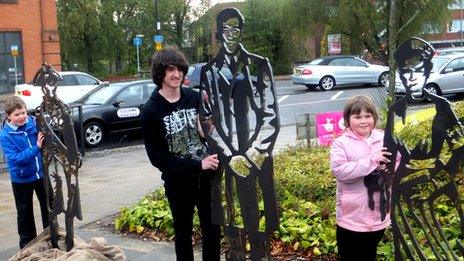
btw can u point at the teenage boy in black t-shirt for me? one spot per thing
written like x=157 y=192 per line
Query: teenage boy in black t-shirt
x=174 y=144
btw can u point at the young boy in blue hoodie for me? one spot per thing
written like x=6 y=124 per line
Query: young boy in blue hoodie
x=21 y=143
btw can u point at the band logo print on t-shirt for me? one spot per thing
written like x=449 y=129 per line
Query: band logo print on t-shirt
x=182 y=135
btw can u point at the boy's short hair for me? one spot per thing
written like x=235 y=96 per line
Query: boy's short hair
x=356 y=104
x=12 y=103
x=160 y=61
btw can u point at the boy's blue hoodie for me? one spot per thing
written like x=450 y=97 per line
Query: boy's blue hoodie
x=23 y=156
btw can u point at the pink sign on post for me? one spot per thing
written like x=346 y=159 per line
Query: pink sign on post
x=329 y=125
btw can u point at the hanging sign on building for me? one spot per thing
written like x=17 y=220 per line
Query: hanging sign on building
x=335 y=43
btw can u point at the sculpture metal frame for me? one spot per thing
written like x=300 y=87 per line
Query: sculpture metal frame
x=60 y=153
x=237 y=136
x=415 y=191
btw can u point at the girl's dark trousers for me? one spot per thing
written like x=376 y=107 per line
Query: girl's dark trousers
x=184 y=192
x=354 y=246
x=23 y=193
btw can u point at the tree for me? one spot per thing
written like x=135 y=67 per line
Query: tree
x=174 y=17
x=80 y=33
x=367 y=22
x=271 y=32
x=96 y=35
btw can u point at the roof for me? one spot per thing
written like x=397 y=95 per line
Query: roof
x=331 y=57
x=70 y=72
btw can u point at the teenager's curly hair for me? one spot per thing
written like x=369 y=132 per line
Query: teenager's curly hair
x=160 y=61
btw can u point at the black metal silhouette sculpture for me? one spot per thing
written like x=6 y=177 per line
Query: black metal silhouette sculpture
x=239 y=136
x=416 y=191
x=60 y=155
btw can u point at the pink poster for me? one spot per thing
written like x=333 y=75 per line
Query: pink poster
x=329 y=125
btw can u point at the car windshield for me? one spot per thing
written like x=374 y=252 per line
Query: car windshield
x=317 y=61
x=437 y=63
x=190 y=70
x=102 y=95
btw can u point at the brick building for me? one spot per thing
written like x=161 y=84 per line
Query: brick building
x=453 y=35
x=31 y=26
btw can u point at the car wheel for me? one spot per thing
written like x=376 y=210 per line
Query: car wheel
x=93 y=134
x=327 y=83
x=432 y=89
x=383 y=79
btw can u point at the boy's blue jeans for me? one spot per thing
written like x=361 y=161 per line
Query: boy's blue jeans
x=23 y=193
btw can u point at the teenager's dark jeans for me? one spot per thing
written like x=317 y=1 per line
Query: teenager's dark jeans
x=23 y=193
x=184 y=192
x=353 y=246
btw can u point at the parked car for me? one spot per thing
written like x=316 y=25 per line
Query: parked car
x=192 y=79
x=73 y=86
x=339 y=70
x=110 y=109
x=446 y=77
x=451 y=50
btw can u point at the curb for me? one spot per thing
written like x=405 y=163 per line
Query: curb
x=282 y=77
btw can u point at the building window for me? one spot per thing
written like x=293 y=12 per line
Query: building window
x=8 y=1
x=455 y=26
x=9 y=73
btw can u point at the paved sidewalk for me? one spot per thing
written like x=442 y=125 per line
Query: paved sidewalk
x=108 y=181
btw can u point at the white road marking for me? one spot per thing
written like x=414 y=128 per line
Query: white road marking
x=306 y=103
x=336 y=95
x=283 y=98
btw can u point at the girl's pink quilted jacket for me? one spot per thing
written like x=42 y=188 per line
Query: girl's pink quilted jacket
x=351 y=159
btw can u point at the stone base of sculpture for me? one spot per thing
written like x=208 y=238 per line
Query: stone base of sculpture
x=94 y=249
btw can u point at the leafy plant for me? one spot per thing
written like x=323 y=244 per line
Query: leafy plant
x=305 y=192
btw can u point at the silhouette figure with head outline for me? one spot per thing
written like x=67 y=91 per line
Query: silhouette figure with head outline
x=240 y=118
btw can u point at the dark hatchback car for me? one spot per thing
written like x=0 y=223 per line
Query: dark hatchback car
x=111 y=109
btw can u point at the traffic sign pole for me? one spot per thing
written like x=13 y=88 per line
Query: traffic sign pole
x=138 y=60
x=137 y=42
x=16 y=70
x=14 y=53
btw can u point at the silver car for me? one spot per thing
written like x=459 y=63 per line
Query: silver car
x=446 y=77
x=450 y=50
x=338 y=70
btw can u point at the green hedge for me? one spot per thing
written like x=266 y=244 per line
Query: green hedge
x=306 y=194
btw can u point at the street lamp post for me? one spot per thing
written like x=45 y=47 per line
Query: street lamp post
x=158 y=24
x=460 y=31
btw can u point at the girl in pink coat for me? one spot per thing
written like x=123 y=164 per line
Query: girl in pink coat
x=355 y=154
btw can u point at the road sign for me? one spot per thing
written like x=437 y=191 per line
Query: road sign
x=158 y=38
x=137 y=41
x=14 y=50
x=158 y=46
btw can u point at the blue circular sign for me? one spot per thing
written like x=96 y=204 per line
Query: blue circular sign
x=137 y=41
